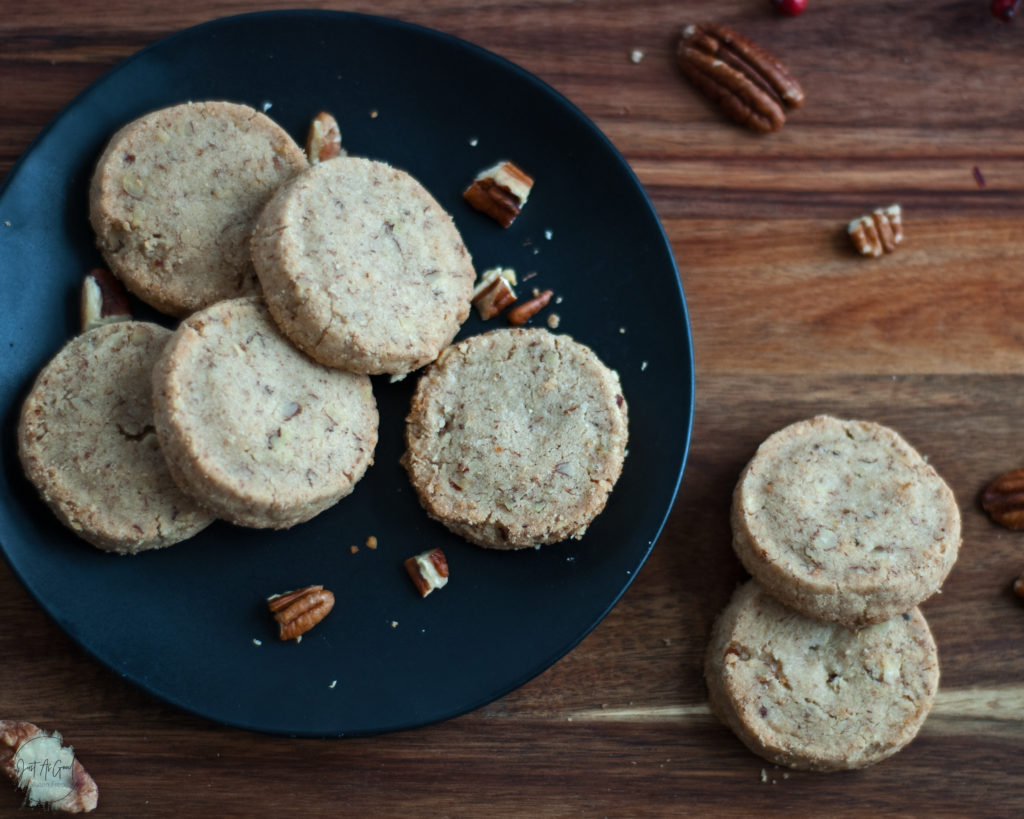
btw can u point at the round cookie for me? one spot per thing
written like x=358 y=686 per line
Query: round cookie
x=816 y=695
x=175 y=195
x=362 y=268
x=86 y=441
x=265 y=436
x=516 y=438
x=844 y=521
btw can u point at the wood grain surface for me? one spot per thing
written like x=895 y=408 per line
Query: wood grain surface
x=917 y=103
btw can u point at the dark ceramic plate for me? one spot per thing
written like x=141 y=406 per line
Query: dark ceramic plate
x=188 y=623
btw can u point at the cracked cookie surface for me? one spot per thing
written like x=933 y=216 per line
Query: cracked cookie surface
x=175 y=195
x=264 y=435
x=361 y=268
x=844 y=521
x=515 y=438
x=87 y=443
x=814 y=695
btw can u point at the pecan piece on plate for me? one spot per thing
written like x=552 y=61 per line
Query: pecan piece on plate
x=500 y=191
x=298 y=611
x=522 y=313
x=428 y=571
x=103 y=300
x=750 y=85
x=494 y=292
x=323 y=141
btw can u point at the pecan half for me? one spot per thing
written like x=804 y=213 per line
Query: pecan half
x=323 y=141
x=750 y=85
x=103 y=300
x=40 y=763
x=877 y=232
x=1003 y=499
x=500 y=192
x=298 y=611
x=428 y=570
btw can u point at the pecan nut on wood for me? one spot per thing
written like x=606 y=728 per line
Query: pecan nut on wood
x=750 y=85
x=1003 y=499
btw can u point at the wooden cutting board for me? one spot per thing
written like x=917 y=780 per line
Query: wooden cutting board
x=916 y=103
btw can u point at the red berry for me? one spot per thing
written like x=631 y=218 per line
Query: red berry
x=792 y=7
x=1004 y=9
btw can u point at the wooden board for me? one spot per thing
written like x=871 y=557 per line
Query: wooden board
x=910 y=103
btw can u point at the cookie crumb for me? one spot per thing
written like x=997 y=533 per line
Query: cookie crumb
x=554 y=320
x=643 y=366
x=473 y=142
x=333 y=683
x=764 y=775
x=394 y=624
x=267 y=105
x=353 y=549
x=371 y=542
x=636 y=55
x=256 y=642
x=374 y=113
x=548 y=234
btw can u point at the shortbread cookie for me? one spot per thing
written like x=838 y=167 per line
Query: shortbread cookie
x=816 y=695
x=86 y=441
x=844 y=521
x=362 y=268
x=175 y=195
x=516 y=437
x=260 y=433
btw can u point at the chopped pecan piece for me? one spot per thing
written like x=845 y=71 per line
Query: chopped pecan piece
x=298 y=611
x=500 y=192
x=877 y=232
x=103 y=300
x=494 y=292
x=750 y=85
x=522 y=313
x=428 y=570
x=324 y=139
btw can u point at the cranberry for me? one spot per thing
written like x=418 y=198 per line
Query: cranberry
x=1004 y=9
x=792 y=7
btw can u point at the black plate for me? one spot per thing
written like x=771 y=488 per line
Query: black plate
x=183 y=623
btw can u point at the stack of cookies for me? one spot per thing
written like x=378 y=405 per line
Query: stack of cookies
x=822 y=660
x=295 y=281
